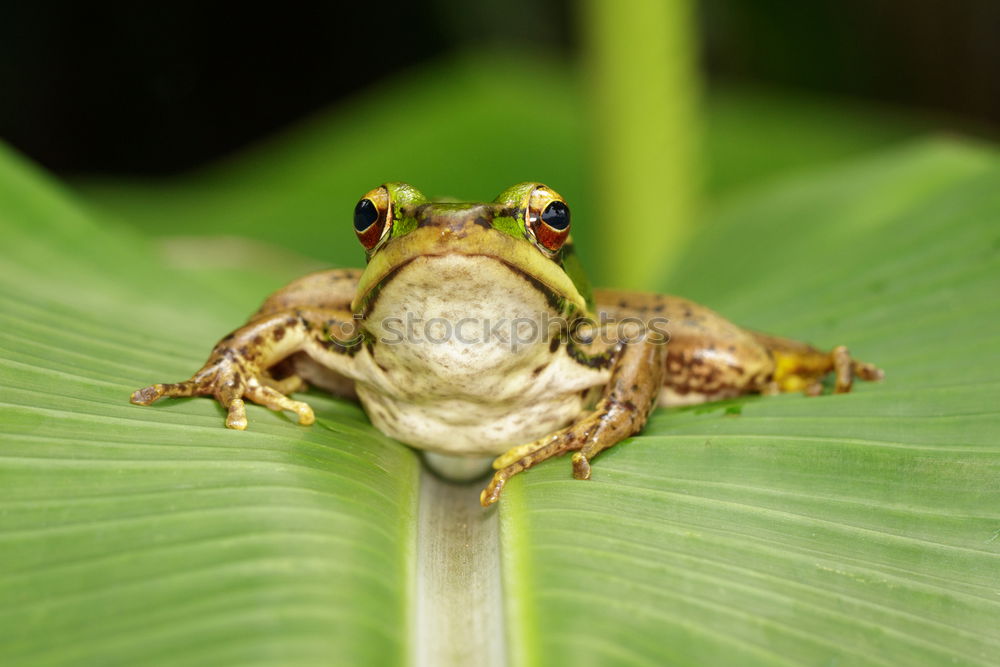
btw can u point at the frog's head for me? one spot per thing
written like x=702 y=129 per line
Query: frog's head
x=526 y=229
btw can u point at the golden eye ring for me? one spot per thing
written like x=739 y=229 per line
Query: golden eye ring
x=547 y=218
x=373 y=217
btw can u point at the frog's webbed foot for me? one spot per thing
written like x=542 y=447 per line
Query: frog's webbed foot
x=802 y=367
x=808 y=377
x=230 y=378
x=629 y=397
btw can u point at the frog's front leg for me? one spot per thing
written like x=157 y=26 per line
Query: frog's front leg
x=238 y=365
x=629 y=397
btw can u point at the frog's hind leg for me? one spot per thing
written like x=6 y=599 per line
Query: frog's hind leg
x=801 y=367
x=711 y=358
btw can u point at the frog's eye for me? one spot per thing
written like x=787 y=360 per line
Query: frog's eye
x=547 y=218
x=373 y=217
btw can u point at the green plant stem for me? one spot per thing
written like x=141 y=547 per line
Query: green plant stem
x=644 y=109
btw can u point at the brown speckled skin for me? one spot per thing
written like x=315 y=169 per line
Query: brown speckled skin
x=290 y=342
x=709 y=357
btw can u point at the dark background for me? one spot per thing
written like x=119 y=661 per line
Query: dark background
x=131 y=88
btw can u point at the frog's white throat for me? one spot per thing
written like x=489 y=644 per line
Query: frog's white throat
x=464 y=359
x=470 y=313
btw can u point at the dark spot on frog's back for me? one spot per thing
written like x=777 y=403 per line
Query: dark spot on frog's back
x=344 y=274
x=279 y=333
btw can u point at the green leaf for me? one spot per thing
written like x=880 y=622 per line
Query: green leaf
x=134 y=535
x=852 y=529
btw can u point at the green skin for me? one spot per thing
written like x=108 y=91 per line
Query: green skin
x=471 y=265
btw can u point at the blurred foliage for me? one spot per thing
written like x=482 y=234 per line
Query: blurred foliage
x=123 y=87
x=646 y=133
x=468 y=128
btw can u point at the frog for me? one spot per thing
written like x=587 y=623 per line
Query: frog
x=473 y=334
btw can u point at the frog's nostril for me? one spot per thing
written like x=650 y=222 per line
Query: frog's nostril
x=455 y=220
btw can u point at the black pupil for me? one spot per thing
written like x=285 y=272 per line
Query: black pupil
x=556 y=215
x=365 y=214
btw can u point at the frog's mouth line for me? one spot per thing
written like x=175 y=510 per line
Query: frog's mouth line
x=520 y=257
x=559 y=303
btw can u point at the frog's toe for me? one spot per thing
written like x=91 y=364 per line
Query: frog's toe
x=229 y=391
x=581 y=466
x=843 y=378
x=275 y=400
x=154 y=392
x=288 y=385
x=491 y=493
x=866 y=371
x=514 y=454
x=237 y=416
x=147 y=395
x=846 y=369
